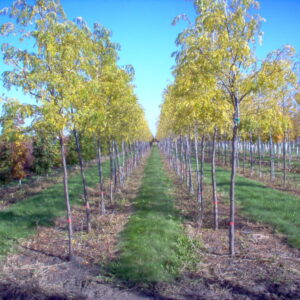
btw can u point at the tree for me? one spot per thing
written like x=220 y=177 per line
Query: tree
x=13 y=138
x=221 y=45
x=50 y=72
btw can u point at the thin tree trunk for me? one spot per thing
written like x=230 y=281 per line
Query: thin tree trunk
x=66 y=192
x=197 y=166
x=251 y=154
x=244 y=155
x=213 y=179
x=123 y=163
x=232 y=179
x=189 y=165
x=225 y=150
x=186 y=163
x=284 y=159
x=117 y=164
x=111 y=178
x=272 y=165
x=259 y=156
x=85 y=194
x=101 y=187
x=176 y=158
x=181 y=160
x=202 y=177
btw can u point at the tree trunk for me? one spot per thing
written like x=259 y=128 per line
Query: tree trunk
x=66 y=192
x=176 y=158
x=202 y=177
x=213 y=179
x=232 y=179
x=244 y=155
x=111 y=177
x=181 y=160
x=85 y=194
x=118 y=174
x=251 y=154
x=101 y=187
x=123 y=163
x=284 y=159
x=259 y=156
x=197 y=167
x=189 y=165
x=272 y=165
x=225 y=152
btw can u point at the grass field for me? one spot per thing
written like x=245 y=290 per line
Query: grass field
x=263 y=204
x=21 y=219
x=153 y=246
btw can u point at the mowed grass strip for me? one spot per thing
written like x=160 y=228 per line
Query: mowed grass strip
x=153 y=246
x=21 y=219
x=263 y=204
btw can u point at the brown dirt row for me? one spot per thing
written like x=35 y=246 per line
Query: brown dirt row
x=40 y=269
x=265 y=267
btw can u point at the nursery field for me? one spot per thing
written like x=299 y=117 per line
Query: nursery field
x=150 y=240
x=149 y=171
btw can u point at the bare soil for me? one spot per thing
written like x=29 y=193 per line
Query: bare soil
x=264 y=267
x=40 y=270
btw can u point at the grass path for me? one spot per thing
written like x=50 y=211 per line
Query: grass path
x=152 y=246
x=21 y=219
x=263 y=204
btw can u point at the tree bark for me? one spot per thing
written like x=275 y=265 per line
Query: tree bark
x=202 y=177
x=213 y=179
x=123 y=163
x=236 y=119
x=272 y=165
x=197 y=167
x=189 y=165
x=284 y=159
x=244 y=155
x=111 y=177
x=85 y=194
x=251 y=154
x=225 y=152
x=66 y=192
x=259 y=156
x=176 y=158
x=101 y=186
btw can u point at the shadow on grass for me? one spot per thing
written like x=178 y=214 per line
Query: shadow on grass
x=263 y=204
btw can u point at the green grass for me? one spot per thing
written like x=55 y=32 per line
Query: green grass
x=153 y=246
x=20 y=220
x=263 y=204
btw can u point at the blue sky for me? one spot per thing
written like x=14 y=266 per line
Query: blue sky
x=143 y=29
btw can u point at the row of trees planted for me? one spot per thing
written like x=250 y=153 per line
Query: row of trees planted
x=80 y=91
x=271 y=160
x=222 y=89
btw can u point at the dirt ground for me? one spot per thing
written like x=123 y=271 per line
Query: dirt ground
x=264 y=266
x=40 y=270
